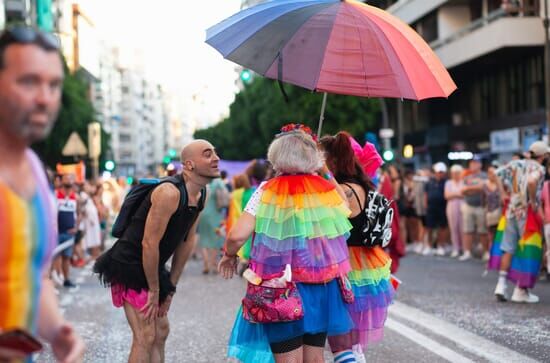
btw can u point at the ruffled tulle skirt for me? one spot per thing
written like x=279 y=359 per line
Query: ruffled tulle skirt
x=324 y=311
x=370 y=280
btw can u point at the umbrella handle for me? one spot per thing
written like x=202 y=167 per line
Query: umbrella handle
x=322 y=117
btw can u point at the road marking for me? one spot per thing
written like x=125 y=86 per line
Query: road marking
x=426 y=342
x=470 y=342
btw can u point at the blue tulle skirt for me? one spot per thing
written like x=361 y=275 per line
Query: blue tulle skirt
x=324 y=311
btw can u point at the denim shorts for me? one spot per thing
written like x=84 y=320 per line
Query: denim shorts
x=64 y=237
x=512 y=234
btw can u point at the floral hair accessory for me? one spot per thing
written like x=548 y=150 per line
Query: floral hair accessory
x=290 y=128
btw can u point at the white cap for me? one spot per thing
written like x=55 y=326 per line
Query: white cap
x=440 y=167
x=539 y=148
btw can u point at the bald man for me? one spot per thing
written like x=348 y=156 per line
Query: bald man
x=163 y=226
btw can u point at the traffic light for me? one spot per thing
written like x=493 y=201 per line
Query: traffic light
x=246 y=76
x=129 y=180
x=172 y=153
x=388 y=155
x=166 y=159
x=110 y=165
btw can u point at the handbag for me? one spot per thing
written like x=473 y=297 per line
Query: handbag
x=493 y=217
x=346 y=289
x=263 y=304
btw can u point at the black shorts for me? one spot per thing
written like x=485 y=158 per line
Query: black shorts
x=435 y=219
x=314 y=340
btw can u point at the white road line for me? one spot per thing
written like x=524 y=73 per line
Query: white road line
x=426 y=342
x=470 y=342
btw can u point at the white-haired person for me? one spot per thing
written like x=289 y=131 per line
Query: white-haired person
x=299 y=219
x=453 y=195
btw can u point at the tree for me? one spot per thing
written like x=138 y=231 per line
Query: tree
x=259 y=111
x=76 y=113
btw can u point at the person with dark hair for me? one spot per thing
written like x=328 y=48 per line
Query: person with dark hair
x=31 y=80
x=370 y=277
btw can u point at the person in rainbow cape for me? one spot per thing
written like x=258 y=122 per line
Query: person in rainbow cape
x=299 y=222
x=370 y=277
x=517 y=249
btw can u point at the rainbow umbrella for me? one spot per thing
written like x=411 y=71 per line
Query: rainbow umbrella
x=333 y=46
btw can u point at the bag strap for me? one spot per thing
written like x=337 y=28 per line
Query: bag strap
x=356 y=196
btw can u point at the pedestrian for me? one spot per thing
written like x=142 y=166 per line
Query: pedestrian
x=545 y=200
x=419 y=184
x=31 y=79
x=67 y=222
x=436 y=205
x=524 y=180
x=163 y=226
x=409 y=211
x=210 y=238
x=494 y=203
x=92 y=228
x=474 y=210
x=300 y=220
x=370 y=276
x=453 y=195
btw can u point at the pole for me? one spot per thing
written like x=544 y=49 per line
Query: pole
x=322 y=117
x=547 y=68
x=400 y=133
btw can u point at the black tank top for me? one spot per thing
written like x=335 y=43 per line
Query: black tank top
x=128 y=248
x=356 y=237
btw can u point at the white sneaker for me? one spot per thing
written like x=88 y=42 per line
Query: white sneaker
x=465 y=256
x=440 y=251
x=486 y=256
x=56 y=278
x=359 y=354
x=455 y=254
x=418 y=248
x=427 y=251
x=524 y=296
x=500 y=292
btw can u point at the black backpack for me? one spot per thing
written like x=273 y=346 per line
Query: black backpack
x=137 y=195
x=379 y=216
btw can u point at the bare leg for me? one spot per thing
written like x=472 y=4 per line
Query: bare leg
x=505 y=261
x=65 y=266
x=213 y=258
x=294 y=356
x=443 y=237
x=484 y=240
x=162 y=331
x=313 y=354
x=205 y=260
x=143 y=335
x=468 y=239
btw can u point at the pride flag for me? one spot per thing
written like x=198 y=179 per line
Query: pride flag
x=527 y=259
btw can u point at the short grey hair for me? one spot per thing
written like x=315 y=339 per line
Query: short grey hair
x=295 y=153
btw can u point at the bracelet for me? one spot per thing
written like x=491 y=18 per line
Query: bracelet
x=228 y=255
x=327 y=175
x=155 y=290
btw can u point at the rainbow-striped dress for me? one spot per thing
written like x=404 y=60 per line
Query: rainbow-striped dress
x=27 y=238
x=301 y=221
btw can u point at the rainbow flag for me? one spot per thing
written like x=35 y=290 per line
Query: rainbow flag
x=239 y=199
x=525 y=266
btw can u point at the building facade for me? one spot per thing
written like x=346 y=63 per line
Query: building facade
x=494 y=51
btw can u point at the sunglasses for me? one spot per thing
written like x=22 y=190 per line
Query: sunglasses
x=29 y=35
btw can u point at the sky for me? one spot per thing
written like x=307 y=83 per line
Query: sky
x=171 y=35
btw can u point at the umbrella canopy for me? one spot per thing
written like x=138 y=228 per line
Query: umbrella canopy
x=334 y=46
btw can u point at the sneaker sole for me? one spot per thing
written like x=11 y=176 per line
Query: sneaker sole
x=501 y=298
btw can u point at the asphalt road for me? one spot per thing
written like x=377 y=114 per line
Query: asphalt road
x=444 y=312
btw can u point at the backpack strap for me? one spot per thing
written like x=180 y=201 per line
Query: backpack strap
x=356 y=196
x=202 y=199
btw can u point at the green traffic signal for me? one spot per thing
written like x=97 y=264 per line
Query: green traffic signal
x=246 y=76
x=166 y=160
x=388 y=155
x=129 y=180
x=172 y=153
x=109 y=165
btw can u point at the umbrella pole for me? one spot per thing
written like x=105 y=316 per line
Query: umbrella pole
x=322 y=117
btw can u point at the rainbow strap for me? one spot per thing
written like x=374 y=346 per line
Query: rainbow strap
x=527 y=259
x=301 y=221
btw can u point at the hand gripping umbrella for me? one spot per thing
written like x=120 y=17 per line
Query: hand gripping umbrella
x=333 y=46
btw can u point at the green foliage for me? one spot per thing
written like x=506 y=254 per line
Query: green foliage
x=76 y=113
x=260 y=110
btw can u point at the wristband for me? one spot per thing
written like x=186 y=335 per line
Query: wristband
x=228 y=255
x=327 y=175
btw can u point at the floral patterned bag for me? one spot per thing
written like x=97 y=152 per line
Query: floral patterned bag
x=263 y=304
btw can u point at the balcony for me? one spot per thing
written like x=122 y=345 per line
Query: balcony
x=485 y=35
x=412 y=10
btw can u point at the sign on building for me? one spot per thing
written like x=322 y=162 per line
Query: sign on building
x=505 y=141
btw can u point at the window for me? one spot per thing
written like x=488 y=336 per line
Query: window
x=428 y=27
